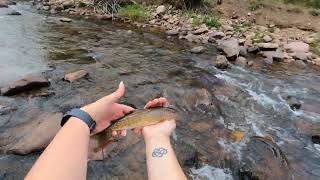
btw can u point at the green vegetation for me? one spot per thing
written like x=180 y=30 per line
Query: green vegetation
x=307 y=3
x=255 y=4
x=315 y=46
x=135 y=12
x=315 y=12
x=241 y=27
x=258 y=38
x=210 y=21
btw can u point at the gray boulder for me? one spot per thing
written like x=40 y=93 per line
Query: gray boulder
x=231 y=48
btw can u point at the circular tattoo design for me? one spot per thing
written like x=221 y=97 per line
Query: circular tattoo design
x=159 y=152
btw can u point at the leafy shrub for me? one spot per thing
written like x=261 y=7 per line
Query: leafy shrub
x=134 y=12
x=315 y=46
x=255 y=4
x=315 y=12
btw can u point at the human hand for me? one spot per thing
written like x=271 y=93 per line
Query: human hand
x=161 y=130
x=106 y=110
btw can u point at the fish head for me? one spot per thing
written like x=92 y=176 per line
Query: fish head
x=170 y=113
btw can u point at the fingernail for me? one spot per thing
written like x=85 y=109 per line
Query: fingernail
x=121 y=83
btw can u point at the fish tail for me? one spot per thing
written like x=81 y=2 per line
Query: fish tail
x=103 y=138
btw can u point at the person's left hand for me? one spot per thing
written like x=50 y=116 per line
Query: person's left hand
x=106 y=110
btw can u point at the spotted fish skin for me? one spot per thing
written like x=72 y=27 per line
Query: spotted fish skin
x=139 y=118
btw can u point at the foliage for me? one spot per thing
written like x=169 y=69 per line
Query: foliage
x=315 y=45
x=255 y=4
x=210 y=21
x=308 y=3
x=134 y=12
x=315 y=12
x=258 y=38
x=241 y=27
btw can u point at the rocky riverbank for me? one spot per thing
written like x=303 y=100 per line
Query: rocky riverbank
x=236 y=36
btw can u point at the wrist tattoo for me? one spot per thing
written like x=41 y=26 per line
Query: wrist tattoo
x=159 y=152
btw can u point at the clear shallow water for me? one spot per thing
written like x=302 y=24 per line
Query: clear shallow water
x=21 y=52
x=250 y=100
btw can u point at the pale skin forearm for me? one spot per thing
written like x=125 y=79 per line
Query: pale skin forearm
x=66 y=156
x=163 y=165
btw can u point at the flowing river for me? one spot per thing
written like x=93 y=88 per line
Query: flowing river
x=211 y=103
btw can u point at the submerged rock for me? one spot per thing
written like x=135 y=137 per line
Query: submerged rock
x=221 y=62
x=65 y=20
x=198 y=49
x=14 y=13
x=293 y=103
x=74 y=76
x=263 y=159
x=230 y=47
x=23 y=85
x=31 y=136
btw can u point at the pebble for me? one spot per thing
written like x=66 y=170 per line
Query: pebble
x=198 y=50
x=74 y=76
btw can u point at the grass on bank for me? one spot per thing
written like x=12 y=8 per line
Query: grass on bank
x=315 y=46
x=210 y=21
x=135 y=12
x=315 y=12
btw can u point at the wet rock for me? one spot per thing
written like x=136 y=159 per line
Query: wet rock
x=277 y=55
x=241 y=61
x=68 y=4
x=161 y=10
x=294 y=103
x=267 y=46
x=26 y=84
x=267 y=38
x=46 y=8
x=315 y=139
x=297 y=47
x=65 y=20
x=268 y=61
x=231 y=48
x=253 y=49
x=243 y=51
x=300 y=63
x=172 y=32
x=308 y=128
x=201 y=30
x=74 y=76
x=4 y=4
x=221 y=62
x=34 y=135
x=250 y=63
x=14 y=13
x=217 y=35
x=200 y=126
x=263 y=159
x=198 y=49
x=191 y=37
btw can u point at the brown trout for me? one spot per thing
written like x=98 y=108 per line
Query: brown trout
x=139 y=118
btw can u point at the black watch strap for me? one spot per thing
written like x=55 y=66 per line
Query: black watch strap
x=80 y=114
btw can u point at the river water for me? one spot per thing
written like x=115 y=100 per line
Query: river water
x=212 y=103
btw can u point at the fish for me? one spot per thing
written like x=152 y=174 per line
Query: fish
x=139 y=118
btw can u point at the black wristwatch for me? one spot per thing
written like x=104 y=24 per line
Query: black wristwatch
x=80 y=114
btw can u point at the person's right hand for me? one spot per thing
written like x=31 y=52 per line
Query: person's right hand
x=161 y=130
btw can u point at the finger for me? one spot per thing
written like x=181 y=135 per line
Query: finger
x=147 y=105
x=123 y=132
x=137 y=130
x=115 y=96
x=163 y=101
x=126 y=109
x=114 y=133
x=152 y=103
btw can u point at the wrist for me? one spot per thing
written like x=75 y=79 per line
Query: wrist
x=75 y=122
x=157 y=139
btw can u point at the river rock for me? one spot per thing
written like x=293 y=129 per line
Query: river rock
x=221 y=62
x=263 y=159
x=301 y=56
x=267 y=38
x=172 y=32
x=253 y=49
x=31 y=136
x=201 y=30
x=4 y=4
x=268 y=60
x=217 y=35
x=267 y=46
x=14 y=13
x=198 y=49
x=293 y=102
x=161 y=10
x=26 y=84
x=74 y=76
x=230 y=47
x=65 y=20
x=277 y=55
x=68 y=4
x=200 y=126
x=191 y=37
x=46 y=8
x=241 y=61
x=296 y=47
x=243 y=51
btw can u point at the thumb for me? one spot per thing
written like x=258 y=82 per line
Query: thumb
x=115 y=96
